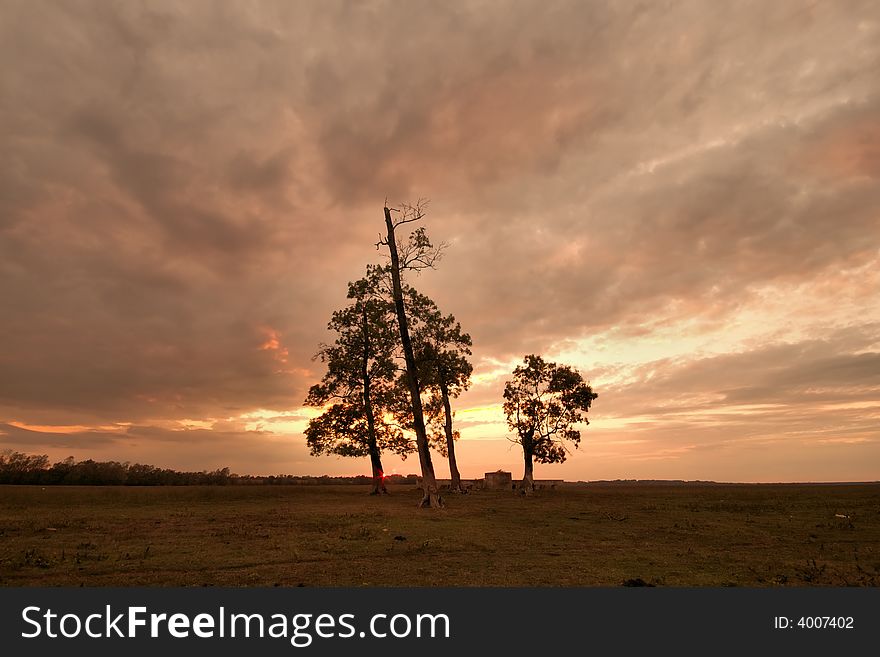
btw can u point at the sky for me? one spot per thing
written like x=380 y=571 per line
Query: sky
x=680 y=199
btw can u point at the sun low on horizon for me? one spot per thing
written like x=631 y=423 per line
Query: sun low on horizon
x=681 y=202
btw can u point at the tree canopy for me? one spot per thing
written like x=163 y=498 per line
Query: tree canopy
x=441 y=351
x=543 y=403
x=359 y=384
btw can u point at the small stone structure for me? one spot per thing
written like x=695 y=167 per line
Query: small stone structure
x=497 y=479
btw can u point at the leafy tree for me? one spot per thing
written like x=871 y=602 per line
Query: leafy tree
x=441 y=350
x=542 y=403
x=359 y=382
x=414 y=255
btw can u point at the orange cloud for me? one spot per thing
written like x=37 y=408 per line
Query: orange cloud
x=273 y=343
x=63 y=429
x=847 y=151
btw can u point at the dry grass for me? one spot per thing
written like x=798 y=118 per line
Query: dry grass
x=338 y=536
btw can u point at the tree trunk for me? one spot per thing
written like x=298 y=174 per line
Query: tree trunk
x=528 y=482
x=431 y=498
x=378 y=473
x=450 y=438
x=372 y=443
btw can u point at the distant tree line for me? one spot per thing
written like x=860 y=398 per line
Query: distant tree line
x=18 y=468
x=33 y=469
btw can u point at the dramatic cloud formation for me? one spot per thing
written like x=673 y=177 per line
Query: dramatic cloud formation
x=683 y=200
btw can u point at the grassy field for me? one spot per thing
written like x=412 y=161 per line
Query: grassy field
x=665 y=535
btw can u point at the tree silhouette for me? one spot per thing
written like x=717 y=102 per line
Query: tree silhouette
x=414 y=255
x=542 y=403
x=359 y=381
x=441 y=350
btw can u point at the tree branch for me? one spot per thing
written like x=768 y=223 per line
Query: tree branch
x=410 y=213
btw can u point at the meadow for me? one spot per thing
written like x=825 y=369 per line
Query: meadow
x=590 y=535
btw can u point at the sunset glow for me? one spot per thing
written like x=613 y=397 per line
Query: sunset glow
x=681 y=202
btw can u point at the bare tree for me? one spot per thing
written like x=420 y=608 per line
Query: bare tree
x=413 y=255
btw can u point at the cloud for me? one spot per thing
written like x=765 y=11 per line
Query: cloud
x=181 y=181
x=811 y=392
x=33 y=439
x=250 y=452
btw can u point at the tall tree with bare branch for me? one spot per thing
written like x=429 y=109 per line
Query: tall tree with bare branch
x=415 y=254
